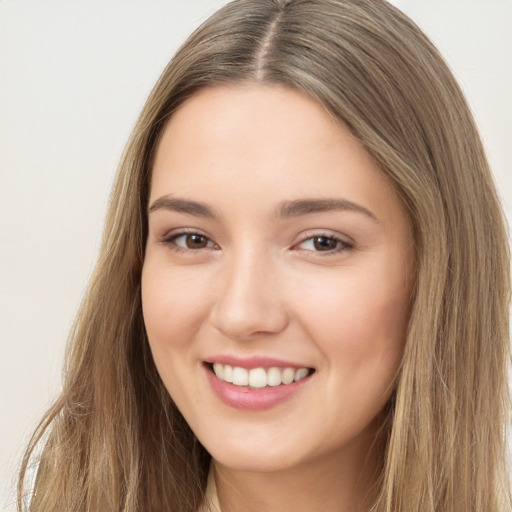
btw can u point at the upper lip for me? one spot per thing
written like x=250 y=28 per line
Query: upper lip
x=254 y=361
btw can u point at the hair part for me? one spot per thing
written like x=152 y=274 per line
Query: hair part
x=114 y=440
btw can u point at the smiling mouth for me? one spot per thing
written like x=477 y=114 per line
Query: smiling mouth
x=258 y=378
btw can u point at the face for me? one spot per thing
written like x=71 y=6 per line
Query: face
x=277 y=278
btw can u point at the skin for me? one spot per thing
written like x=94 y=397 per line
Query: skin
x=259 y=283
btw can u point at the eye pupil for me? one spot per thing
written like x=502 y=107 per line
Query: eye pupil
x=196 y=241
x=324 y=243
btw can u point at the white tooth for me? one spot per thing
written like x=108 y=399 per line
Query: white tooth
x=299 y=374
x=257 y=378
x=274 y=377
x=240 y=376
x=287 y=375
x=228 y=373
x=218 y=369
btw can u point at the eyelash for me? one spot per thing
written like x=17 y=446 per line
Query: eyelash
x=170 y=241
x=342 y=245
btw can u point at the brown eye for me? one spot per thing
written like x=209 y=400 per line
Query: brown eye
x=190 y=241
x=196 y=241
x=325 y=243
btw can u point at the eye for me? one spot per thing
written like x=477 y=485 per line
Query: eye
x=324 y=243
x=189 y=241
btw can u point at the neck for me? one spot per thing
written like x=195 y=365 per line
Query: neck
x=341 y=482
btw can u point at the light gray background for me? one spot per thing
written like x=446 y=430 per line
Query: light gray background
x=73 y=77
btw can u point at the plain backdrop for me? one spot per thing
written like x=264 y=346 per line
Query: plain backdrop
x=73 y=77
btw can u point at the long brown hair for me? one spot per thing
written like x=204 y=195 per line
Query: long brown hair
x=114 y=440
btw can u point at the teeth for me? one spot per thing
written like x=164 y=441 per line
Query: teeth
x=258 y=377
x=274 y=377
x=240 y=376
x=218 y=370
x=299 y=374
x=228 y=373
x=287 y=375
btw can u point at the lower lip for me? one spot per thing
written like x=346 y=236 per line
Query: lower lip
x=253 y=399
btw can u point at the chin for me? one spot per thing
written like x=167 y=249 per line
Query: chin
x=270 y=456
x=252 y=463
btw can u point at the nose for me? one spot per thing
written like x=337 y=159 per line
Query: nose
x=250 y=301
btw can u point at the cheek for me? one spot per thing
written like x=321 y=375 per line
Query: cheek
x=173 y=310
x=172 y=305
x=360 y=325
x=357 y=305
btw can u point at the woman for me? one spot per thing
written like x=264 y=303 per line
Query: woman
x=302 y=294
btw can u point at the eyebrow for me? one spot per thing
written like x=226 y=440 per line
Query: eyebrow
x=308 y=206
x=285 y=209
x=182 y=206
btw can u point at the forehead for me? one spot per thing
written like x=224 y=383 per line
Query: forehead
x=263 y=142
x=281 y=112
